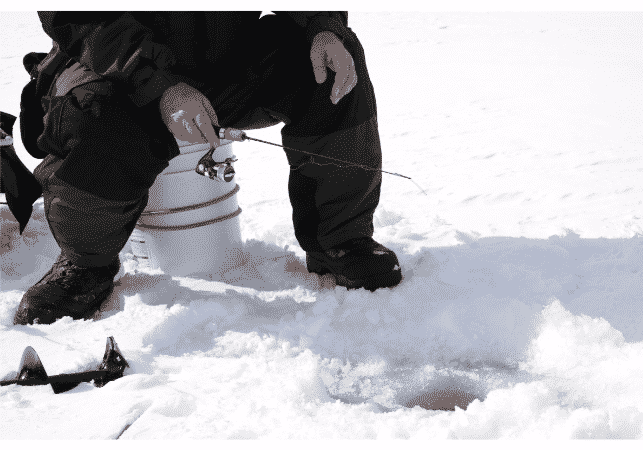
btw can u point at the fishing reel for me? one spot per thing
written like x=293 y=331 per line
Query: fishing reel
x=218 y=171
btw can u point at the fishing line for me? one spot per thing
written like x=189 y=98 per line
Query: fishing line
x=207 y=166
x=245 y=137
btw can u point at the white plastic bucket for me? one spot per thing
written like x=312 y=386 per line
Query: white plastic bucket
x=191 y=222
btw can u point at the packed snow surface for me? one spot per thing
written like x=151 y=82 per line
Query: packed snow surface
x=520 y=313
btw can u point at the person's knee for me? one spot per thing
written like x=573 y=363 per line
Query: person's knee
x=46 y=169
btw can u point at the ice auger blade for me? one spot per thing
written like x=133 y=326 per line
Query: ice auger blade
x=31 y=367
x=113 y=363
x=31 y=372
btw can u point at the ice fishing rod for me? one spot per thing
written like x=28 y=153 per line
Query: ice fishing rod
x=223 y=171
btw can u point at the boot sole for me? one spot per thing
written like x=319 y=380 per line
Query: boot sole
x=381 y=280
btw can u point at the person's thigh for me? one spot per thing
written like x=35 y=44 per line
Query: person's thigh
x=109 y=147
x=318 y=116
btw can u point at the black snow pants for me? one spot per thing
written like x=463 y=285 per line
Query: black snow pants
x=105 y=153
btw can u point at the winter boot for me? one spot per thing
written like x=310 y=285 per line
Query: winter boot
x=360 y=262
x=67 y=290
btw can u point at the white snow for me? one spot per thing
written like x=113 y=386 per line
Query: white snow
x=519 y=315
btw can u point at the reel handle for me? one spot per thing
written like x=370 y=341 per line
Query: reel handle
x=218 y=171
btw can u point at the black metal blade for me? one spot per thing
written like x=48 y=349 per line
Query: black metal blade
x=113 y=362
x=31 y=367
x=31 y=372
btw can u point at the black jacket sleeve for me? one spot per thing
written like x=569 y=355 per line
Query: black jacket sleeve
x=115 y=46
x=318 y=21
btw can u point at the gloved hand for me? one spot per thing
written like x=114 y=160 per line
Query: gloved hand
x=328 y=51
x=189 y=115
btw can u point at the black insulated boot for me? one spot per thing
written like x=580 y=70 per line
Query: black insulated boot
x=67 y=290
x=358 y=263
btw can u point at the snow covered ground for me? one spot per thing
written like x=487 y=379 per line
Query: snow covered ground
x=520 y=313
